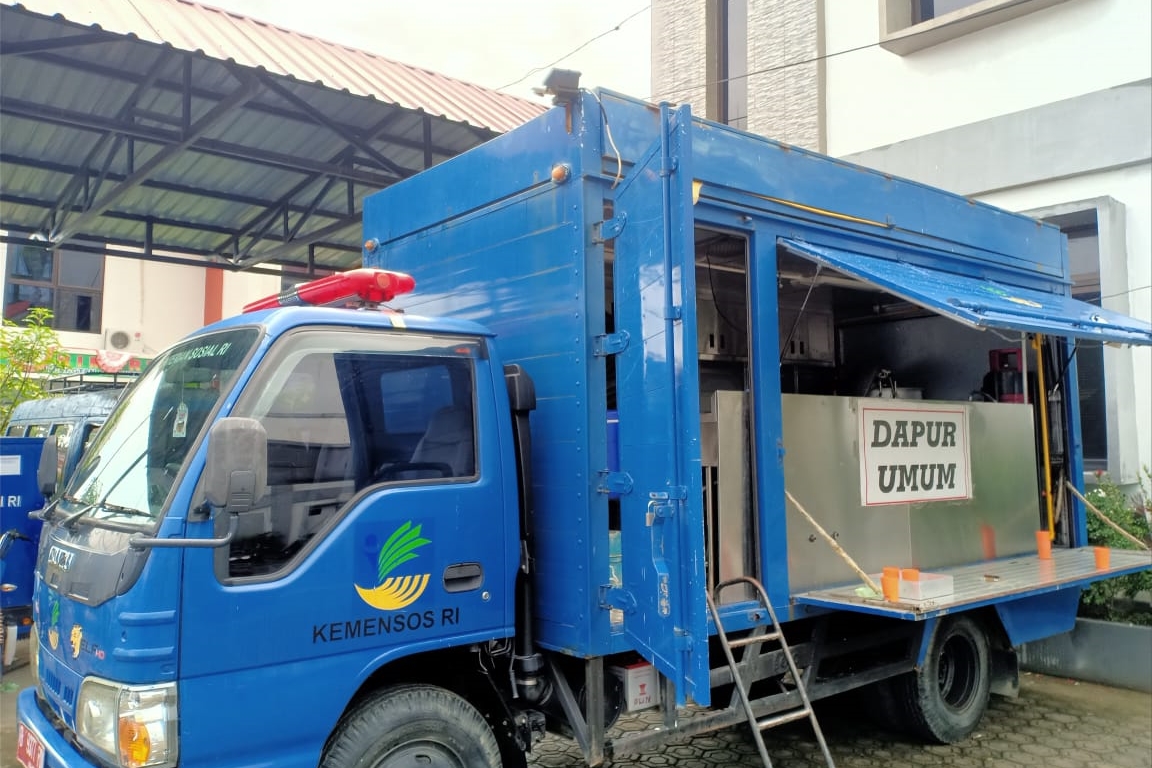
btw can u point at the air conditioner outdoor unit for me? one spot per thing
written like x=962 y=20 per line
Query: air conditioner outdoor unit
x=122 y=340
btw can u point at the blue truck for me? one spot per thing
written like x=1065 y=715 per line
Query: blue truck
x=614 y=449
x=19 y=495
x=71 y=421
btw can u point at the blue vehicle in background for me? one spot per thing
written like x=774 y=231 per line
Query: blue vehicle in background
x=72 y=420
x=328 y=532
x=19 y=537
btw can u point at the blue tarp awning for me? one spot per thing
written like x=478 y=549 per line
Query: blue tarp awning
x=980 y=302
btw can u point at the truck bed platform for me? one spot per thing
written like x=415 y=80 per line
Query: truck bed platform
x=986 y=583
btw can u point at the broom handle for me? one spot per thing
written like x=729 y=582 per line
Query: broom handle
x=1105 y=518
x=835 y=547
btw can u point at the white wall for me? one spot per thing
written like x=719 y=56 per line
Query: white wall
x=243 y=287
x=163 y=302
x=875 y=97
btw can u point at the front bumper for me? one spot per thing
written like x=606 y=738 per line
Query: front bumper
x=59 y=752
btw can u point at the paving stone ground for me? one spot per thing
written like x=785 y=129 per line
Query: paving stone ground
x=1055 y=723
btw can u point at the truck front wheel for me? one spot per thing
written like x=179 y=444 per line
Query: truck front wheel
x=412 y=725
x=944 y=700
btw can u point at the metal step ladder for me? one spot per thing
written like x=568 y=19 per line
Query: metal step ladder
x=776 y=634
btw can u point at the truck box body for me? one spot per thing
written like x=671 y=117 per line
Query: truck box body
x=612 y=231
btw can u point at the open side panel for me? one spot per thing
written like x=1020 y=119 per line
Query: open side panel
x=662 y=533
x=980 y=302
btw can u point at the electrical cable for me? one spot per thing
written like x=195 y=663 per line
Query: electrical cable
x=1125 y=293
x=611 y=141
x=716 y=301
x=800 y=62
x=800 y=314
x=575 y=50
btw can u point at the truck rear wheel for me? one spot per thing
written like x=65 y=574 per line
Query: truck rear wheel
x=945 y=699
x=412 y=725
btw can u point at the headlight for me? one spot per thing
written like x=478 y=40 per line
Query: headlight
x=134 y=726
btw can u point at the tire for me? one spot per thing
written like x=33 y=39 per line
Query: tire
x=412 y=725
x=944 y=701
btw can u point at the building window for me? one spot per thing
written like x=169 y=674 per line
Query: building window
x=1084 y=259
x=69 y=283
x=1098 y=267
x=727 y=67
x=923 y=10
x=907 y=26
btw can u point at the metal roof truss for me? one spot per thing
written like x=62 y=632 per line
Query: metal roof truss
x=118 y=145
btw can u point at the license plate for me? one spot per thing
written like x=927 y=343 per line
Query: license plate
x=29 y=748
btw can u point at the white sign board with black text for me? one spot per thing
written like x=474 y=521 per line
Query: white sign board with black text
x=911 y=452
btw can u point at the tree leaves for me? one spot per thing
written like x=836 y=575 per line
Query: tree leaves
x=26 y=353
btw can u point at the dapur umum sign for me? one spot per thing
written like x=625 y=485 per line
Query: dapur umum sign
x=914 y=453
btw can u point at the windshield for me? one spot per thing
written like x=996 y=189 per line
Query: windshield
x=127 y=473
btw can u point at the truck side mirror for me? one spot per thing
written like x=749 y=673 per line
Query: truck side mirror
x=236 y=473
x=48 y=470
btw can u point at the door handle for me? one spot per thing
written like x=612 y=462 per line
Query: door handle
x=463 y=577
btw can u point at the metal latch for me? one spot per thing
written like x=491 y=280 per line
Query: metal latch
x=614 y=482
x=610 y=229
x=659 y=509
x=664 y=504
x=610 y=343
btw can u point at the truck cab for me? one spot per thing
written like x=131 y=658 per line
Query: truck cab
x=382 y=520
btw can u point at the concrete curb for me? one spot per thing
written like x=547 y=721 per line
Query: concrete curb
x=1104 y=652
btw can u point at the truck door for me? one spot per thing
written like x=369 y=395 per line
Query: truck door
x=382 y=533
x=662 y=530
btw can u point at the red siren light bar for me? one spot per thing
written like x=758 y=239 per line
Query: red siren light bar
x=370 y=285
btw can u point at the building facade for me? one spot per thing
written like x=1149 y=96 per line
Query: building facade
x=114 y=312
x=1038 y=106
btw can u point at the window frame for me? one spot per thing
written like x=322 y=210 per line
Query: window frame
x=281 y=360
x=902 y=34
x=58 y=288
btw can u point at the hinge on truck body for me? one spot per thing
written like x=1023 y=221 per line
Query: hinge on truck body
x=610 y=343
x=617 y=597
x=609 y=229
x=614 y=482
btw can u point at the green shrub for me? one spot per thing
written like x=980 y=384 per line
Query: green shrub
x=1111 y=599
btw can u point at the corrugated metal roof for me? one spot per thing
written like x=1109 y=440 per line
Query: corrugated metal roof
x=228 y=36
x=176 y=128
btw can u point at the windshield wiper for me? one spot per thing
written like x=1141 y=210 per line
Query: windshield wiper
x=126 y=511
x=67 y=521
x=104 y=501
x=48 y=513
x=45 y=514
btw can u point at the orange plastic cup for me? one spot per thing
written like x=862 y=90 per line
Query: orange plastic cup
x=891 y=587
x=910 y=574
x=1103 y=555
x=1044 y=545
x=891 y=570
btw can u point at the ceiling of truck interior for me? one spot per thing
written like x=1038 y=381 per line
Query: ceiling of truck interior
x=169 y=130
